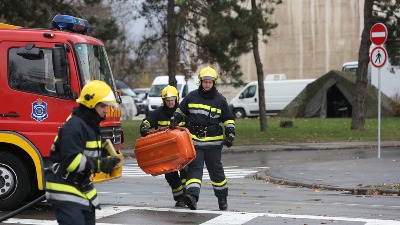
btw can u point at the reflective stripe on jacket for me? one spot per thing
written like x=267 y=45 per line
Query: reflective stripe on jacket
x=203 y=113
x=160 y=117
x=75 y=142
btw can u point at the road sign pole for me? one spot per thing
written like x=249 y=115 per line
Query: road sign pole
x=378 y=36
x=379 y=113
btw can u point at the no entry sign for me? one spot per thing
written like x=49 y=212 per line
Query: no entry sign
x=378 y=34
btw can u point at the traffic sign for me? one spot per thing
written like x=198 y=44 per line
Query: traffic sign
x=378 y=34
x=378 y=57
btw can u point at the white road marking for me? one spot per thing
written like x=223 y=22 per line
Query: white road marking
x=231 y=219
x=111 y=210
x=231 y=172
x=31 y=221
x=225 y=217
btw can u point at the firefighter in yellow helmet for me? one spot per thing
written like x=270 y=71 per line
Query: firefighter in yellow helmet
x=95 y=92
x=76 y=156
x=208 y=73
x=160 y=118
x=203 y=110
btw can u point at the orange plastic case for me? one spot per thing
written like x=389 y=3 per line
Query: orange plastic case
x=164 y=150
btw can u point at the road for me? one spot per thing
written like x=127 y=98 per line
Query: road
x=137 y=198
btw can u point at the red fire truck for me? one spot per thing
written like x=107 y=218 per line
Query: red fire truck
x=42 y=72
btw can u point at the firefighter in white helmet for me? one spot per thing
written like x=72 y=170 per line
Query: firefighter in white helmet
x=203 y=110
x=76 y=156
x=160 y=117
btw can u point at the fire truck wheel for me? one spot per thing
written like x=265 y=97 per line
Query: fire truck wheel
x=14 y=181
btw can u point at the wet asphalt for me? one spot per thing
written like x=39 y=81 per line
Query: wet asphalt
x=374 y=173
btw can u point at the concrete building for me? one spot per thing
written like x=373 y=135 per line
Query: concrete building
x=312 y=38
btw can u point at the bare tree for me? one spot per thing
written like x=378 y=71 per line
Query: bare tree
x=260 y=73
x=358 y=117
x=259 y=22
x=171 y=33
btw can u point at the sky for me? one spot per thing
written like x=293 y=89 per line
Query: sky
x=123 y=11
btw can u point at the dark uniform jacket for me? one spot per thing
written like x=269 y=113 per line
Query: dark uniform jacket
x=161 y=117
x=68 y=182
x=203 y=112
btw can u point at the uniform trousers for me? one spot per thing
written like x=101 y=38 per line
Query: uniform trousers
x=72 y=215
x=176 y=181
x=212 y=160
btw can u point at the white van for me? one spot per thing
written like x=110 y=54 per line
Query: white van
x=278 y=94
x=160 y=82
x=389 y=75
x=350 y=66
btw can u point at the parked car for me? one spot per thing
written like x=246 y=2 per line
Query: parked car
x=143 y=93
x=350 y=66
x=128 y=108
x=160 y=82
x=127 y=91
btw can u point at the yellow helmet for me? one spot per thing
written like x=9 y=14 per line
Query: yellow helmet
x=96 y=91
x=208 y=73
x=170 y=91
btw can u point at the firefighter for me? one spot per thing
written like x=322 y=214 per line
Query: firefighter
x=160 y=117
x=203 y=110
x=76 y=156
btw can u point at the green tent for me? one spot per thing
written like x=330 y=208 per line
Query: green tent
x=332 y=96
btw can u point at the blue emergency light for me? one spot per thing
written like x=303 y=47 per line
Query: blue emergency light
x=70 y=23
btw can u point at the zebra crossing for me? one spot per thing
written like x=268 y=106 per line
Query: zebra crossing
x=115 y=214
x=231 y=172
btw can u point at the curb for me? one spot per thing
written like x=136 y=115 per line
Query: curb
x=310 y=146
x=353 y=191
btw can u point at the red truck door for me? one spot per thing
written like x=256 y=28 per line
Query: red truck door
x=30 y=105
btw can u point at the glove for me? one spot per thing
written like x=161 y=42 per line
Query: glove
x=175 y=120
x=92 y=165
x=144 y=129
x=228 y=141
x=173 y=123
x=107 y=164
x=229 y=136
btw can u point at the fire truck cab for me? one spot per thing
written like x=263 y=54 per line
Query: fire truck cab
x=42 y=72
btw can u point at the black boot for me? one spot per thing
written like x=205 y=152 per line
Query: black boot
x=223 y=203
x=180 y=203
x=190 y=201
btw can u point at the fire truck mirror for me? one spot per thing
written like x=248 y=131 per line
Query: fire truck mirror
x=64 y=90
x=31 y=53
x=60 y=63
x=60 y=90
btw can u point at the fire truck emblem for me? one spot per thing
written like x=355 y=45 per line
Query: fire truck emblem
x=39 y=110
